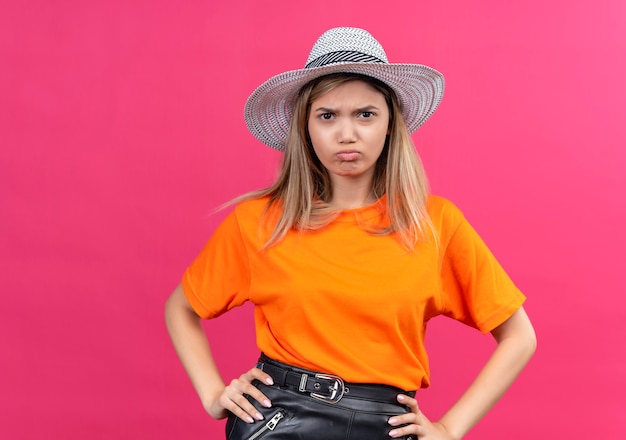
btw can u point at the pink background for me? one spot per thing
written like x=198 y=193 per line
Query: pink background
x=121 y=129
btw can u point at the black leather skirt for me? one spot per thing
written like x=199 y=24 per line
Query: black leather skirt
x=308 y=405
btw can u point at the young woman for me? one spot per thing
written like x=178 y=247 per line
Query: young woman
x=346 y=257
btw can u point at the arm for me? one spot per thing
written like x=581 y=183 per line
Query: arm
x=516 y=344
x=192 y=347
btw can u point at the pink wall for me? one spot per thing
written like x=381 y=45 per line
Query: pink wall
x=121 y=128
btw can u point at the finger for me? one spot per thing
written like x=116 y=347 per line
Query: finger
x=256 y=394
x=409 y=401
x=233 y=398
x=256 y=373
x=235 y=402
x=406 y=423
x=403 y=419
x=406 y=432
x=239 y=412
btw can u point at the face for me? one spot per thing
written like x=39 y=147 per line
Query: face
x=348 y=127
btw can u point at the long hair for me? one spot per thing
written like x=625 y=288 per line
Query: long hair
x=303 y=187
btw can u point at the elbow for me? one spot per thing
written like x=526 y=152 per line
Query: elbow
x=531 y=342
x=169 y=306
x=526 y=342
x=529 y=337
x=518 y=332
x=169 y=312
x=177 y=308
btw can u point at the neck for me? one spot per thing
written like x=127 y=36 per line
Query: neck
x=351 y=194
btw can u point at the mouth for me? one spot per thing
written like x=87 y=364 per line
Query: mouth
x=348 y=155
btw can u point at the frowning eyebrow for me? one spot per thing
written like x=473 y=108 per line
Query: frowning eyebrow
x=367 y=108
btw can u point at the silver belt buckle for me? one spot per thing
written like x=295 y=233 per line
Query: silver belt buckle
x=337 y=390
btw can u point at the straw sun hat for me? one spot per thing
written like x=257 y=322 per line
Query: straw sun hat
x=269 y=108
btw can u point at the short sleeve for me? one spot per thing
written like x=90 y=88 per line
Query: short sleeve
x=219 y=278
x=476 y=289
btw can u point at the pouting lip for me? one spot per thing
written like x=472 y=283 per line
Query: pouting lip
x=348 y=155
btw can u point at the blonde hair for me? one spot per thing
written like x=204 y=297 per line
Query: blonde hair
x=303 y=187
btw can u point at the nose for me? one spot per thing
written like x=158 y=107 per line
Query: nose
x=347 y=132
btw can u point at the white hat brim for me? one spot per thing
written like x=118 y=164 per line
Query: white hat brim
x=268 y=110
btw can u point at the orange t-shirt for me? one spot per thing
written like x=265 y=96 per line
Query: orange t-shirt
x=344 y=301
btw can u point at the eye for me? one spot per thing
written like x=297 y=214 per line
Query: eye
x=367 y=114
x=326 y=116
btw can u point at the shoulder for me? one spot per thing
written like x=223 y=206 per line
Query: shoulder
x=441 y=209
x=255 y=214
x=251 y=207
x=446 y=218
x=242 y=212
x=241 y=222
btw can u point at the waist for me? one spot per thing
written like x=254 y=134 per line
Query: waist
x=326 y=387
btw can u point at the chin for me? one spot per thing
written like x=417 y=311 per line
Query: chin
x=348 y=169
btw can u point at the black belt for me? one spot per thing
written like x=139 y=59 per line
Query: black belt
x=326 y=387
